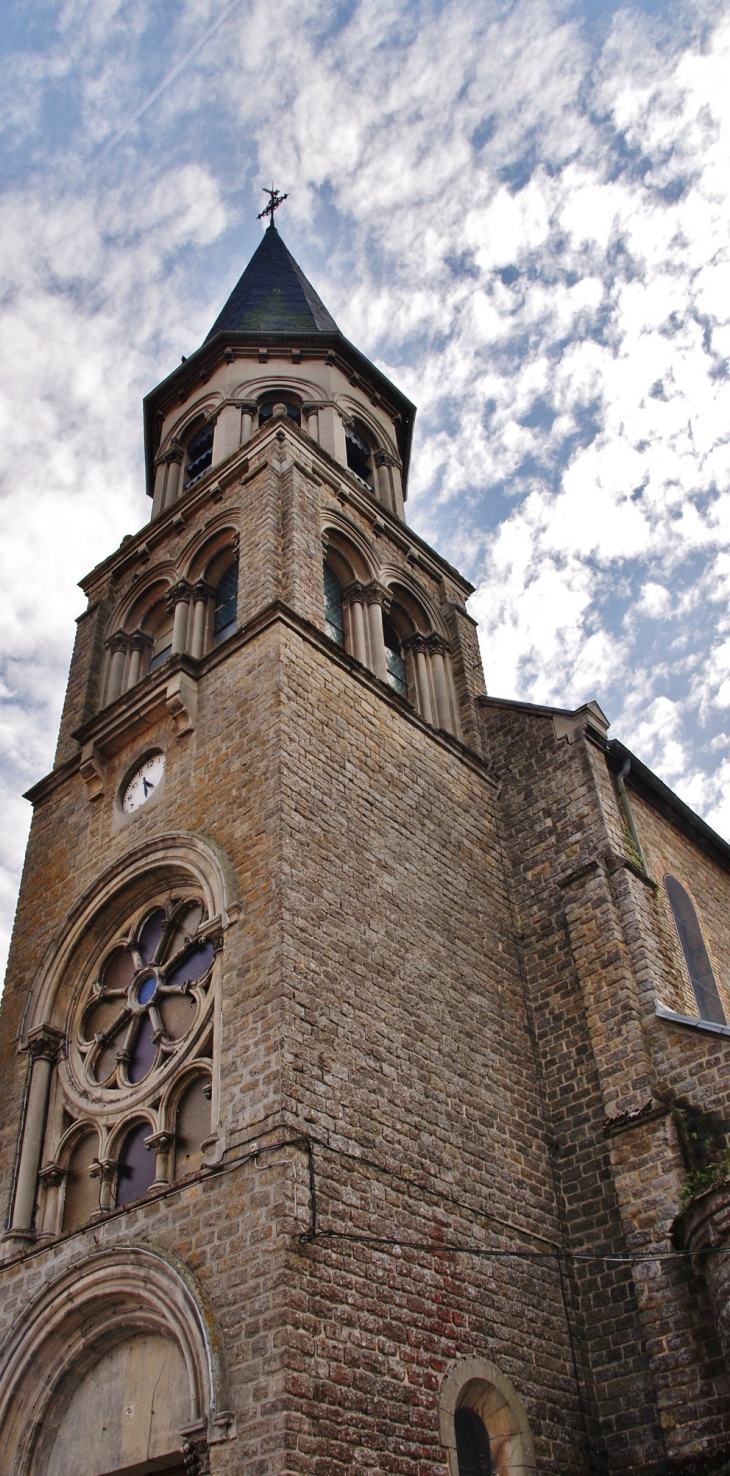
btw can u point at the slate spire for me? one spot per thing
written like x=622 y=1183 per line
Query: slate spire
x=273 y=296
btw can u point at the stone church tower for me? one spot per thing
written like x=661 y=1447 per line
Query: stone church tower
x=364 y=1046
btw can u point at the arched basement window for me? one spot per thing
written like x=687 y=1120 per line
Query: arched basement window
x=472 y=1444
x=695 y=953
x=200 y=453
x=360 y=458
x=226 y=604
x=266 y=410
x=136 y=1165
x=394 y=663
x=334 y=624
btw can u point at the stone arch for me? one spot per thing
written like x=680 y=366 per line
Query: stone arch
x=425 y=651
x=92 y=1307
x=478 y=1384
x=187 y=857
x=201 y=410
x=347 y=551
x=220 y=536
x=137 y=626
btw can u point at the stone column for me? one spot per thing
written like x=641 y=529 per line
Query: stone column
x=311 y=415
x=249 y=409
x=139 y=643
x=43 y=1047
x=104 y=1169
x=417 y=645
x=377 y=599
x=202 y=592
x=704 y=1230
x=332 y=431
x=440 y=685
x=383 y=464
x=167 y=485
x=117 y=647
x=354 y=595
x=161 y=1144
x=178 y=603
x=227 y=431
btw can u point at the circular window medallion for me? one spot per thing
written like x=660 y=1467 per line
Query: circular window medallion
x=148 y=1001
x=143 y=783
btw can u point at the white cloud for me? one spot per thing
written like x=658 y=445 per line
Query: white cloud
x=529 y=229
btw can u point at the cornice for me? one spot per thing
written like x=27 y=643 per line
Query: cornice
x=136 y=710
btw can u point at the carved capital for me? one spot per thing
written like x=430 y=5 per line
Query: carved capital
x=311 y=407
x=385 y=458
x=354 y=593
x=159 y=1142
x=415 y=643
x=118 y=642
x=140 y=640
x=249 y=407
x=44 y=1043
x=175 y=452
x=52 y=1174
x=180 y=591
x=104 y=1169
x=181 y=700
x=377 y=594
x=436 y=645
x=202 y=591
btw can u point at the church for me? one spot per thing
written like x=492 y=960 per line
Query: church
x=365 y=1036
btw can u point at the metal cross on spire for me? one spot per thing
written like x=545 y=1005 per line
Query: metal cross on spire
x=275 y=200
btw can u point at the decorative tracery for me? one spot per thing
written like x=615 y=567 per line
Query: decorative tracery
x=146 y=998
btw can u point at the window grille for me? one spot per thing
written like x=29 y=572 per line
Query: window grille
x=200 y=453
x=226 y=604
x=472 y=1444
x=333 y=620
x=394 y=664
x=695 y=953
x=359 y=458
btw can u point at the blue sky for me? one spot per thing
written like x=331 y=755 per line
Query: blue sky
x=519 y=211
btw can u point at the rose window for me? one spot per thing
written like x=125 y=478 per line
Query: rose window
x=148 y=996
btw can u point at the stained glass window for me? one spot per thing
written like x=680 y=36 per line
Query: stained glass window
x=226 y=604
x=394 y=663
x=695 y=953
x=472 y=1444
x=147 y=997
x=333 y=621
x=136 y=1169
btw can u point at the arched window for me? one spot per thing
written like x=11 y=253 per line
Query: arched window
x=136 y=1169
x=394 y=663
x=266 y=409
x=472 y=1444
x=226 y=604
x=81 y=1198
x=695 y=953
x=334 y=623
x=192 y=1126
x=162 y=648
x=199 y=453
x=360 y=457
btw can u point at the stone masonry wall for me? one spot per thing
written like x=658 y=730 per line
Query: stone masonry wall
x=597 y=950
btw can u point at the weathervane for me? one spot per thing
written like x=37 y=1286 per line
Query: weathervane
x=275 y=200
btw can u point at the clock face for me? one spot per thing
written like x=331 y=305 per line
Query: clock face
x=143 y=783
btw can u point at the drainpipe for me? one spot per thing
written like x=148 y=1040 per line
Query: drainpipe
x=628 y=813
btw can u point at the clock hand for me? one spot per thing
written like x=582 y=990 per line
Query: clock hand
x=147 y=787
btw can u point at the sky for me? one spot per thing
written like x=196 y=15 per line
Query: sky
x=519 y=211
